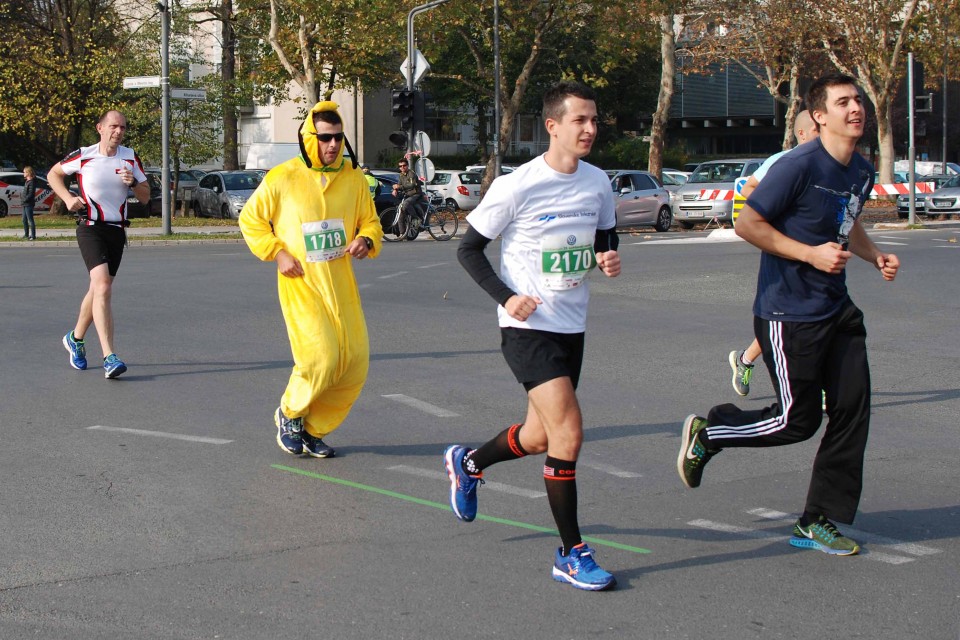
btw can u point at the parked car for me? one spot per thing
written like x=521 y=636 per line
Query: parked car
x=640 y=200
x=222 y=194
x=384 y=197
x=11 y=191
x=673 y=180
x=460 y=189
x=187 y=182
x=721 y=175
x=946 y=199
x=920 y=199
x=154 y=206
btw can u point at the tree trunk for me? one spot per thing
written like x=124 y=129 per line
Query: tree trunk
x=885 y=139
x=228 y=65
x=668 y=71
x=793 y=108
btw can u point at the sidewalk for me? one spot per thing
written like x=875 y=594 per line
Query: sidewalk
x=135 y=235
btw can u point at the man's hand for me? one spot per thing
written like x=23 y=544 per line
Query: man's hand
x=609 y=263
x=288 y=265
x=829 y=257
x=358 y=248
x=519 y=307
x=74 y=203
x=888 y=264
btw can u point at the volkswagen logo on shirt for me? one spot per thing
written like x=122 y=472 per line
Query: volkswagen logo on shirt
x=571 y=240
x=324 y=225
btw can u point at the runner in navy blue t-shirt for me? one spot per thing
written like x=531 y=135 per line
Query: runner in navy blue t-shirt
x=803 y=216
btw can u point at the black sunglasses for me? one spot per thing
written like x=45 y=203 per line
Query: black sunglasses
x=327 y=137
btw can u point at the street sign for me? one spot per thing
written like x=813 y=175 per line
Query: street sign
x=188 y=94
x=425 y=169
x=420 y=68
x=421 y=143
x=141 y=82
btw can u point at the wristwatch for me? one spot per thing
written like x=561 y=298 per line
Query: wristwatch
x=369 y=242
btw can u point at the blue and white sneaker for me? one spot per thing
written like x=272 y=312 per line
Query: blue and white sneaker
x=289 y=432
x=463 y=486
x=579 y=569
x=78 y=351
x=113 y=366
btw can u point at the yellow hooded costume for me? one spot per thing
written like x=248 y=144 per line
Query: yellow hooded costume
x=315 y=212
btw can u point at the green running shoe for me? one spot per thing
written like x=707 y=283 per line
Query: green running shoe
x=823 y=535
x=741 y=373
x=693 y=455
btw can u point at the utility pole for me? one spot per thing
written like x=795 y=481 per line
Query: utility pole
x=411 y=61
x=164 y=7
x=496 y=88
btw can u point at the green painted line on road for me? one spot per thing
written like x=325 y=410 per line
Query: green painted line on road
x=445 y=507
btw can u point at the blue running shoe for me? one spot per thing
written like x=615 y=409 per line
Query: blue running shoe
x=579 y=569
x=78 y=352
x=113 y=366
x=316 y=447
x=463 y=486
x=289 y=432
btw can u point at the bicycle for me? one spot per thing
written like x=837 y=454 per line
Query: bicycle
x=440 y=222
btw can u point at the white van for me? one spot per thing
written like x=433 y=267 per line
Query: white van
x=267 y=155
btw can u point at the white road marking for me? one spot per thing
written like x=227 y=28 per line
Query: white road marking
x=488 y=485
x=606 y=468
x=898 y=545
x=892 y=237
x=899 y=244
x=364 y=286
x=767 y=535
x=391 y=275
x=426 y=407
x=161 y=434
x=430 y=266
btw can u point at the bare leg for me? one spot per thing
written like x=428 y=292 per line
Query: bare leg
x=752 y=352
x=95 y=308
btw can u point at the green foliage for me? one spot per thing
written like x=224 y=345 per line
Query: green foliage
x=632 y=153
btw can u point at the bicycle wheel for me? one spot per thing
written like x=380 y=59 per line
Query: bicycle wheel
x=412 y=226
x=394 y=226
x=442 y=224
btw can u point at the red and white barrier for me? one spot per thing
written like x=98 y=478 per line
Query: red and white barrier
x=902 y=188
x=716 y=194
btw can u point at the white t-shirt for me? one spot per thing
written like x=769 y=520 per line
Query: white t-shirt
x=548 y=221
x=101 y=188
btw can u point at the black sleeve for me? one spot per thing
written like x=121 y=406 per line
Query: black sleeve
x=475 y=262
x=606 y=240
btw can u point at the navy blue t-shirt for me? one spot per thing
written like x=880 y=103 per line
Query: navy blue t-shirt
x=810 y=197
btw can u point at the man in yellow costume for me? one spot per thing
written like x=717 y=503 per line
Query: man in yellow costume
x=312 y=215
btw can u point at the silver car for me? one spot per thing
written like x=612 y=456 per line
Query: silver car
x=222 y=194
x=946 y=199
x=640 y=200
x=920 y=199
x=690 y=207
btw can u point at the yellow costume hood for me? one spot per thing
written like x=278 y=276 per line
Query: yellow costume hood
x=309 y=146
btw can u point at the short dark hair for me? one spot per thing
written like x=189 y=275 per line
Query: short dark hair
x=553 y=100
x=817 y=93
x=330 y=117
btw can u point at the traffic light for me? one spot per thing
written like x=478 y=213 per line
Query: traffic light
x=402 y=102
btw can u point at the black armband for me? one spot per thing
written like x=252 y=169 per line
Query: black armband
x=606 y=240
x=474 y=261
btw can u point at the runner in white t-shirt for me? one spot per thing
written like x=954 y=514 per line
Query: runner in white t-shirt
x=557 y=218
x=105 y=172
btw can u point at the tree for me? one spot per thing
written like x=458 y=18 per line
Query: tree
x=669 y=25
x=532 y=34
x=869 y=45
x=72 y=47
x=335 y=43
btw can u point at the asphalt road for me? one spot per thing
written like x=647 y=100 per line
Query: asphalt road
x=159 y=506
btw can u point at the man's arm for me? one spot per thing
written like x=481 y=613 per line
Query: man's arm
x=752 y=227
x=56 y=178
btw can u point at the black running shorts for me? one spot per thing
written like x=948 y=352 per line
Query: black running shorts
x=101 y=244
x=536 y=356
